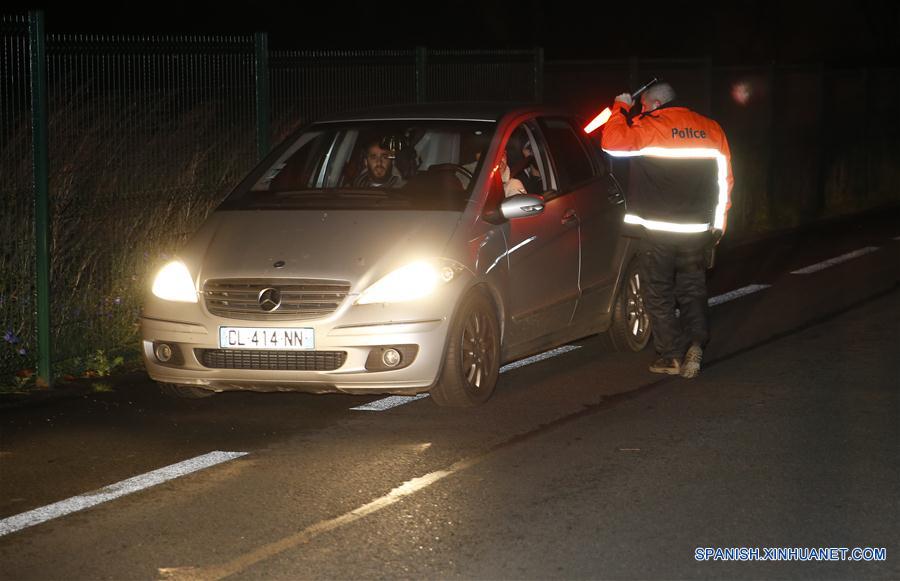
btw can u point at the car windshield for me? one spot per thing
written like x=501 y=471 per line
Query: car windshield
x=418 y=165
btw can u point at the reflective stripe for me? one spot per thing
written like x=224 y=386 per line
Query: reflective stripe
x=666 y=226
x=690 y=153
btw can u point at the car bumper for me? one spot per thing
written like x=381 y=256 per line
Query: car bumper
x=355 y=340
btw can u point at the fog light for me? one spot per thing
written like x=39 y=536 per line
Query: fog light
x=164 y=352
x=390 y=358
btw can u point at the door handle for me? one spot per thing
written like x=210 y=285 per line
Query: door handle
x=569 y=216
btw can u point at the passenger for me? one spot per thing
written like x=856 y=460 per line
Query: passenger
x=511 y=185
x=380 y=171
x=527 y=172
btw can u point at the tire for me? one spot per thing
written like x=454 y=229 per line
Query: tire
x=472 y=360
x=630 y=329
x=184 y=391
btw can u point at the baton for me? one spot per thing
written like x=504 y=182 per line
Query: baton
x=604 y=115
x=637 y=93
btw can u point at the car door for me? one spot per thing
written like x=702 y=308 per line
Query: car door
x=543 y=255
x=600 y=206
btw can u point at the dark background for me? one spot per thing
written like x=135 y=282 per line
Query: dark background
x=863 y=33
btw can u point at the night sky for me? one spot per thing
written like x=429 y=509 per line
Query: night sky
x=861 y=33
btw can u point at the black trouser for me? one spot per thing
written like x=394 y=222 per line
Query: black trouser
x=675 y=277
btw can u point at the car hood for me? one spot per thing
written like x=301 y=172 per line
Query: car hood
x=356 y=246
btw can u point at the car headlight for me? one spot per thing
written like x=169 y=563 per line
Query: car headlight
x=174 y=283
x=413 y=281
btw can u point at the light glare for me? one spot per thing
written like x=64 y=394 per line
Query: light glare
x=408 y=283
x=742 y=92
x=174 y=283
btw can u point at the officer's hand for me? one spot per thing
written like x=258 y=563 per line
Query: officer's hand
x=625 y=98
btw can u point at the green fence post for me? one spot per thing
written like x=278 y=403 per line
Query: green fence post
x=421 y=63
x=41 y=163
x=263 y=130
x=634 y=73
x=708 y=85
x=538 y=74
x=864 y=121
x=771 y=147
x=823 y=148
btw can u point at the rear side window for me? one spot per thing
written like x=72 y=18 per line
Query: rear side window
x=568 y=152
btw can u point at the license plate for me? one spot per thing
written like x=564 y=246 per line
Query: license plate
x=276 y=339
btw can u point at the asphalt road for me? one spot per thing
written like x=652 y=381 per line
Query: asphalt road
x=583 y=465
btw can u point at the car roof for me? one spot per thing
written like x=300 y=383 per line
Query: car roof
x=469 y=111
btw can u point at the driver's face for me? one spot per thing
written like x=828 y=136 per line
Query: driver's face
x=379 y=162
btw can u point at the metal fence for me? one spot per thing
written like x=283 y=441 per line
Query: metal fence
x=147 y=134
x=308 y=85
x=17 y=244
x=475 y=75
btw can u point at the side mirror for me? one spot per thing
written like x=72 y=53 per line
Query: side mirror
x=521 y=206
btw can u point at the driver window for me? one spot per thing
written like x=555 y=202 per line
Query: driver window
x=524 y=163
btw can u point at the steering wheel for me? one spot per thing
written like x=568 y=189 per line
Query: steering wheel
x=462 y=170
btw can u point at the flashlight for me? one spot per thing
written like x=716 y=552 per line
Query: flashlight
x=599 y=120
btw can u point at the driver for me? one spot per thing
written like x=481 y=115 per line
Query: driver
x=379 y=171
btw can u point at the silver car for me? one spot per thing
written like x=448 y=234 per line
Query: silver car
x=401 y=251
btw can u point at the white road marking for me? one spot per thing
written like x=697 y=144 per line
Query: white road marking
x=380 y=405
x=737 y=293
x=837 y=260
x=538 y=357
x=272 y=549
x=113 y=491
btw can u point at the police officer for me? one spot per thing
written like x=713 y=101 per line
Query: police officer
x=679 y=190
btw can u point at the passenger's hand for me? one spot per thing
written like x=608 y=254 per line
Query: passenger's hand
x=625 y=98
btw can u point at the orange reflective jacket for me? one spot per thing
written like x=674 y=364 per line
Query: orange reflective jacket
x=680 y=177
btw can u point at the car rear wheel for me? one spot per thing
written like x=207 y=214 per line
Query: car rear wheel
x=184 y=391
x=472 y=362
x=630 y=329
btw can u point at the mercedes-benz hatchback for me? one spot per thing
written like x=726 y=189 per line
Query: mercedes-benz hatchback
x=400 y=251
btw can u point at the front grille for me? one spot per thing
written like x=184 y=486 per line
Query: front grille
x=300 y=298
x=274 y=360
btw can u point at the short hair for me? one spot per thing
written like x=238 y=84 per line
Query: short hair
x=662 y=92
x=373 y=142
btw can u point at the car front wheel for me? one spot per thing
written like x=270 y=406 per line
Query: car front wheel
x=472 y=362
